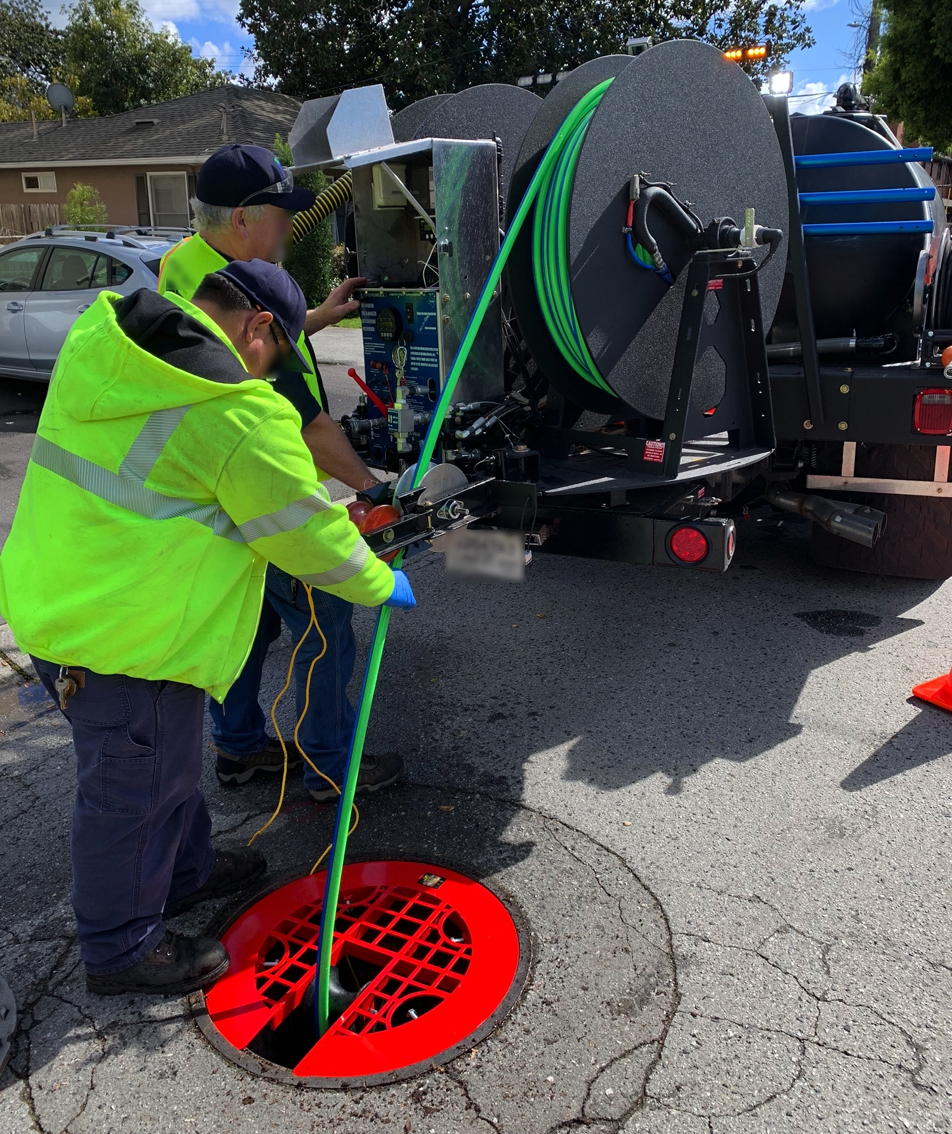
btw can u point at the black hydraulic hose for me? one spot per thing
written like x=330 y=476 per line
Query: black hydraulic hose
x=843 y=345
x=657 y=196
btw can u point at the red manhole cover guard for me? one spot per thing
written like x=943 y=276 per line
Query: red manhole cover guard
x=435 y=952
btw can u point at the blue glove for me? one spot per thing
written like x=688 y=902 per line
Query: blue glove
x=402 y=597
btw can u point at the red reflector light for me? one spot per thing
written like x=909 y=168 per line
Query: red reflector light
x=933 y=412
x=689 y=545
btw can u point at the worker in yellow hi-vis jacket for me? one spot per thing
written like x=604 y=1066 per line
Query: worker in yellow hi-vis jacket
x=165 y=475
x=244 y=204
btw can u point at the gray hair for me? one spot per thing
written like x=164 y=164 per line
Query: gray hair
x=215 y=218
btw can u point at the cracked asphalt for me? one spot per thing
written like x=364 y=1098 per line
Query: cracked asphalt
x=725 y=821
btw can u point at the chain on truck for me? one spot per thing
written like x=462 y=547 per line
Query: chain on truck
x=713 y=303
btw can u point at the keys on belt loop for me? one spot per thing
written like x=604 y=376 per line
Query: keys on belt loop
x=67 y=683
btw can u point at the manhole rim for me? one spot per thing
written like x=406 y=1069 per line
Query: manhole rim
x=264 y=1068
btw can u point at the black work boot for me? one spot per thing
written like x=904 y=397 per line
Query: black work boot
x=234 y=770
x=233 y=871
x=175 y=966
x=376 y=772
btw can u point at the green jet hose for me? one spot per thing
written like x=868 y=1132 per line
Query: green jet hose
x=550 y=252
x=578 y=119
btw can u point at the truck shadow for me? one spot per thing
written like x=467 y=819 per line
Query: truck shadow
x=606 y=675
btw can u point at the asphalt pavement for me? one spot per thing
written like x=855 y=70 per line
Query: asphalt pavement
x=725 y=821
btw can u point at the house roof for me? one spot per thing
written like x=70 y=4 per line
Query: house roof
x=182 y=130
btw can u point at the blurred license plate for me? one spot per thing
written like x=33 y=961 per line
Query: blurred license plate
x=483 y=554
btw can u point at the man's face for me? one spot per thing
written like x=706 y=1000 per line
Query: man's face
x=267 y=238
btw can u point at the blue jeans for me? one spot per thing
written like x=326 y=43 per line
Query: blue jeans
x=238 y=724
x=140 y=833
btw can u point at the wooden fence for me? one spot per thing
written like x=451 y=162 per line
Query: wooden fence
x=21 y=220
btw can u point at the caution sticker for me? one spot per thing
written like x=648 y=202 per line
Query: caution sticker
x=654 y=451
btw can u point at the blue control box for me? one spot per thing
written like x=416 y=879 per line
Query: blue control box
x=401 y=333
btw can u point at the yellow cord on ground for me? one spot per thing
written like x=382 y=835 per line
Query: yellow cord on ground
x=297 y=727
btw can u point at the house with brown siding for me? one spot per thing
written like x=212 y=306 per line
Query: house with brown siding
x=143 y=162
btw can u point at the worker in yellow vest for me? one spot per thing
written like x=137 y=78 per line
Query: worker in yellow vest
x=165 y=475
x=244 y=204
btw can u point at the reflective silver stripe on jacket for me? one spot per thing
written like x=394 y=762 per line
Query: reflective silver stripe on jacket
x=126 y=492
x=286 y=519
x=126 y=489
x=351 y=566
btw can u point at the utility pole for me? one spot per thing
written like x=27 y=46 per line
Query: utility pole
x=872 y=36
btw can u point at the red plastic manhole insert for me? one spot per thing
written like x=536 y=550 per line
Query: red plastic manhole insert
x=434 y=954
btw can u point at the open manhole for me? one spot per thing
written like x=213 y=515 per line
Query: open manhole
x=436 y=961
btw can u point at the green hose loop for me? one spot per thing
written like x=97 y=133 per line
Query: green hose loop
x=550 y=249
x=579 y=116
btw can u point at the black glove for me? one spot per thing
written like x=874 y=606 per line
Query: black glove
x=379 y=494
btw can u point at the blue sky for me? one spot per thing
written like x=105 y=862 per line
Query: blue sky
x=210 y=28
x=817 y=72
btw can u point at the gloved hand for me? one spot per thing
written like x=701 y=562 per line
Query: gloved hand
x=402 y=597
x=378 y=494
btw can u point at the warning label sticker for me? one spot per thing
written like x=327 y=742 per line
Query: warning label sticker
x=654 y=451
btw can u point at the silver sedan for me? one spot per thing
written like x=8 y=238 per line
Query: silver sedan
x=48 y=279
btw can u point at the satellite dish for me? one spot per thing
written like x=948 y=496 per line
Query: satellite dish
x=60 y=97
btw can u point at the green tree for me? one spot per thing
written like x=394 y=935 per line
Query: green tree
x=29 y=45
x=31 y=57
x=83 y=205
x=912 y=81
x=311 y=48
x=18 y=96
x=311 y=260
x=122 y=62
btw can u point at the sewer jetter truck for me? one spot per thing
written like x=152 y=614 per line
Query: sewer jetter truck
x=707 y=303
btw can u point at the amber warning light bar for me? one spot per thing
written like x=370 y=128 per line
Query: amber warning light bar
x=739 y=54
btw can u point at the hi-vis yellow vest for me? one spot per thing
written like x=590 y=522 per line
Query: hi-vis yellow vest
x=152 y=503
x=184 y=267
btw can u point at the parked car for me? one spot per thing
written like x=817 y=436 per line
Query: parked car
x=48 y=279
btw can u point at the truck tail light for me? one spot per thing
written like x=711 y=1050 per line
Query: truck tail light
x=933 y=412
x=689 y=545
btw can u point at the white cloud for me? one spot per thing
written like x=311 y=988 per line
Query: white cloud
x=818 y=5
x=221 y=11
x=814 y=98
x=169 y=27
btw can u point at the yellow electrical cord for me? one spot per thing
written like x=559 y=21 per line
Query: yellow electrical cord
x=277 y=728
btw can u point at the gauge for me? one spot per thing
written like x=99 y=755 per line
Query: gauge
x=388 y=324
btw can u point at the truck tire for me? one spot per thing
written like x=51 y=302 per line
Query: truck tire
x=917 y=542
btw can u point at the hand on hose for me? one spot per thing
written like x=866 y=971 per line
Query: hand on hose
x=378 y=493
x=402 y=597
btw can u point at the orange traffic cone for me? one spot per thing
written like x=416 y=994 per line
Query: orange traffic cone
x=938 y=691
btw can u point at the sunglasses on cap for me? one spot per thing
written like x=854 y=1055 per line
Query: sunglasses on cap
x=286 y=185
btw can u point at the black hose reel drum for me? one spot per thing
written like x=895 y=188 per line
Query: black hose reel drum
x=680 y=114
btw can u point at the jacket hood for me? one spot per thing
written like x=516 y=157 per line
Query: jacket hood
x=145 y=352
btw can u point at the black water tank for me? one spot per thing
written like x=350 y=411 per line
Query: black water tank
x=859 y=284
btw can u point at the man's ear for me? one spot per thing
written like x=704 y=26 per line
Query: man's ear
x=257 y=323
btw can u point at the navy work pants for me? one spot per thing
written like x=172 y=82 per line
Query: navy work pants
x=140 y=833
x=238 y=724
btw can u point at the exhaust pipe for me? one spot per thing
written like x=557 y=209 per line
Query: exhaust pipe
x=855 y=522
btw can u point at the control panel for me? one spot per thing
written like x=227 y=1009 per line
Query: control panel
x=403 y=365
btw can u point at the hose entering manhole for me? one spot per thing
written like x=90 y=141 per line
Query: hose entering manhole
x=426 y=963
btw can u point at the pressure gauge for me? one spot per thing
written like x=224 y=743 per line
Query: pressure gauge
x=388 y=325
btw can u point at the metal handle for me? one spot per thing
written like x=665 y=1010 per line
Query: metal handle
x=14 y=307
x=83 y=307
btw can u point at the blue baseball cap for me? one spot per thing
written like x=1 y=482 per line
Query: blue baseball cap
x=271 y=289
x=249 y=175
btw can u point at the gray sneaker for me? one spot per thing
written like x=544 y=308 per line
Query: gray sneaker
x=175 y=966
x=376 y=772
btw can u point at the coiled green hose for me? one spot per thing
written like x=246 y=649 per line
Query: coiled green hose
x=567 y=136
x=550 y=251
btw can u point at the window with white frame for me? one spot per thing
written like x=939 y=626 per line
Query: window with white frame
x=168 y=199
x=39 y=182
